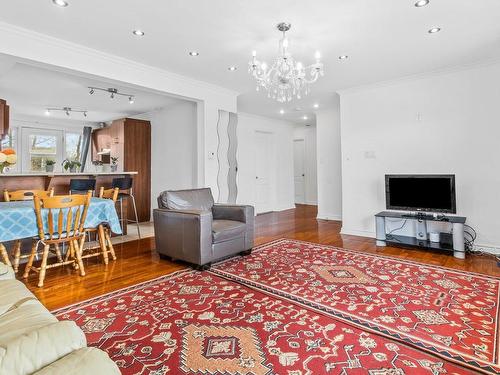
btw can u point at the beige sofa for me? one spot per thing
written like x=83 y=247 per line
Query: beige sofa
x=33 y=341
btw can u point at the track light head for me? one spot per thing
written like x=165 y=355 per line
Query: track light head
x=131 y=99
x=47 y=112
x=91 y=91
x=85 y=114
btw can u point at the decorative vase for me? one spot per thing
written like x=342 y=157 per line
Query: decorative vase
x=49 y=168
x=72 y=170
x=114 y=167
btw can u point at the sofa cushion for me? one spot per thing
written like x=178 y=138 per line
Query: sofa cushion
x=23 y=318
x=14 y=293
x=194 y=199
x=85 y=361
x=224 y=230
x=37 y=348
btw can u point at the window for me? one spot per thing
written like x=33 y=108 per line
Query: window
x=73 y=143
x=39 y=146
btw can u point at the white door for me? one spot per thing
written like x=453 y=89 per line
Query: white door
x=262 y=172
x=299 y=170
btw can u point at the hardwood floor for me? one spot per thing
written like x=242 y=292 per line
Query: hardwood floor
x=137 y=260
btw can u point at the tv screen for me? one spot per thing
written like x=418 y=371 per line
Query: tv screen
x=433 y=193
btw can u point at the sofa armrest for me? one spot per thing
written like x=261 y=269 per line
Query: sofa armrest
x=183 y=234
x=85 y=361
x=34 y=350
x=242 y=213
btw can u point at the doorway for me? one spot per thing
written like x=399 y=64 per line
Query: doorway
x=263 y=167
x=299 y=170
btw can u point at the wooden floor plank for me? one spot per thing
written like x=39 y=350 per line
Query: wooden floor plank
x=138 y=261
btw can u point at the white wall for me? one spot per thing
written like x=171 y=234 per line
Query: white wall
x=439 y=123
x=329 y=162
x=173 y=148
x=308 y=134
x=281 y=165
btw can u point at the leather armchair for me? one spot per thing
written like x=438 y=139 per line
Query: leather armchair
x=190 y=227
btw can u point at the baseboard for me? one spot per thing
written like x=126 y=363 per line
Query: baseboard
x=329 y=216
x=487 y=249
x=360 y=233
x=311 y=203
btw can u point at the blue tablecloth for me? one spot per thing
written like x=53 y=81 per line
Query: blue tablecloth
x=18 y=220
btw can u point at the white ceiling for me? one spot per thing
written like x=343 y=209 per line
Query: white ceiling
x=384 y=39
x=30 y=90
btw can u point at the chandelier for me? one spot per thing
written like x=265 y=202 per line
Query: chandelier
x=286 y=78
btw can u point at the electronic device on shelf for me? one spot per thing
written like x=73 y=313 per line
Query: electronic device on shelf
x=427 y=193
x=425 y=198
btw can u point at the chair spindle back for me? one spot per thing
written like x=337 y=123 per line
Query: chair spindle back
x=26 y=195
x=71 y=209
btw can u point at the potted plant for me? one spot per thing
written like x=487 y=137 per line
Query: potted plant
x=49 y=165
x=98 y=165
x=72 y=165
x=114 y=164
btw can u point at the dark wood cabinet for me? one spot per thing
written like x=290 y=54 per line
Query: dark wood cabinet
x=4 y=118
x=130 y=141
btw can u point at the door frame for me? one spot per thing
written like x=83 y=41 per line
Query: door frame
x=272 y=168
x=304 y=164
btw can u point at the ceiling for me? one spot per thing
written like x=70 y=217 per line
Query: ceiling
x=30 y=90
x=383 y=39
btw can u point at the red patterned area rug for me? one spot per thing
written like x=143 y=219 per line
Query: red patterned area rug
x=199 y=323
x=450 y=313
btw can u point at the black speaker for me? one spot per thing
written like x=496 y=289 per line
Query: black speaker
x=446 y=238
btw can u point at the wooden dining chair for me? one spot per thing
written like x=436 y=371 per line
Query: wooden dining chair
x=26 y=195
x=103 y=232
x=23 y=195
x=60 y=220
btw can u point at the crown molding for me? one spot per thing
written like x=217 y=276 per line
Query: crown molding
x=419 y=76
x=7 y=30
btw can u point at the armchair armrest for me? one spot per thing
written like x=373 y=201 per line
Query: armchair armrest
x=183 y=234
x=242 y=213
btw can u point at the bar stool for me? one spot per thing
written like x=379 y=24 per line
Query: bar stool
x=125 y=183
x=81 y=185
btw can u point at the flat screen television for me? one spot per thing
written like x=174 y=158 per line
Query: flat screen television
x=431 y=193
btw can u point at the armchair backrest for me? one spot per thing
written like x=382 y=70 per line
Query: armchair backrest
x=193 y=199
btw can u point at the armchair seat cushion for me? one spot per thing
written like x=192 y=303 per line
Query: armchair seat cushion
x=225 y=230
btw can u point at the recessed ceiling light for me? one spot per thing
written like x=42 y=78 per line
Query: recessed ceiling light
x=60 y=3
x=305 y=117
x=422 y=3
x=232 y=68
x=194 y=53
x=282 y=111
x=138 y=32
x=434 y=30
x=343 y=57
x=316 y=105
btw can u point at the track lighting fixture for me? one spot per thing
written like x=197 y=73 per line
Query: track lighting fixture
x=112 y=93
x=67 y=110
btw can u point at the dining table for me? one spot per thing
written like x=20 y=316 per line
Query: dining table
x=18 y=220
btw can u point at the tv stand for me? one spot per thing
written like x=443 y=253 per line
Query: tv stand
x=457 y=223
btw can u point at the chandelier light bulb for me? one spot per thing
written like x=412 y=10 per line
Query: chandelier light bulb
x=285 y=78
